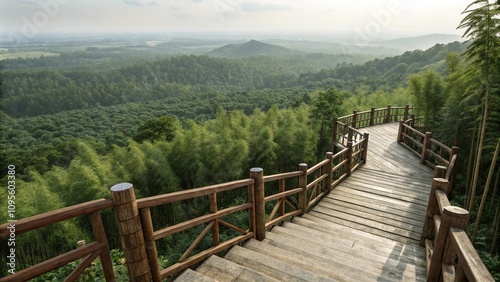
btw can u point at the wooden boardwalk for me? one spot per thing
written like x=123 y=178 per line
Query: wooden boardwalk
x=366 y=229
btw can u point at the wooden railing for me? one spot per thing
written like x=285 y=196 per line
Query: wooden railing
x=450 y=254
x=313 y=183
x=136 y=228
x=431 y=151
x=87 y=253
x=375 y=116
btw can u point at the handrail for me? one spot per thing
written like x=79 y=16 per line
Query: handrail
x=449 y=250
x=431 y=151
x=375 y=116
x=94 y=249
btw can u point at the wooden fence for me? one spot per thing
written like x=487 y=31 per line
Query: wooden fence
x=431 y=151
x=139 y=237
x=87 y=253
x=450 y=254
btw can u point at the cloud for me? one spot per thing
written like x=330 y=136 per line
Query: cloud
x=141 y=2
x=176 y=8
x=197 y=1
x=264 y=7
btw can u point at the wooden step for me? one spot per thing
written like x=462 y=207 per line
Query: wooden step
x=333 y=228
x=412 y=179
x=399 y=204
x=369 y=215
x=376 y=228
x=305 y=259
x=189 y=275
x=389 y=188
x=271 y=267
x=221 y=269
x=390 y=267
x=375 y=210
x=346 y=242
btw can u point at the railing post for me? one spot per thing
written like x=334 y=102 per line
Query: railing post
x=131 y=233
x=329 y=167
x=400 y=131
x=151 y=250
x=100 y=236
x=452 y=217
x=354 y=118
x=453 y=166
x=334 y=133
x=432 y=210
x=439 y=171
x=365 y=147
x=349 y=158
x=425 y=146
x=257 y=174
x=212 y=199
x=388 y=116
x=372 y=116
x=412 y=118
x=407 y=112
x=303 y=185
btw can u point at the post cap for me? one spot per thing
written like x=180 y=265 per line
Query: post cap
x=256 y=169
x=121 y=187
x=455 y=211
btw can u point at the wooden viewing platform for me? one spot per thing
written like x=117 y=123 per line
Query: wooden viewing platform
x=366 y=229
x=372 y=210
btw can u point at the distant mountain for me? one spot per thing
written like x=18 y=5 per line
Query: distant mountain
x=419 y=42
x=335 y=48
x=251 y=48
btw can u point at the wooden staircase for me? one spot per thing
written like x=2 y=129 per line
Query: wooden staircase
x=366 y=229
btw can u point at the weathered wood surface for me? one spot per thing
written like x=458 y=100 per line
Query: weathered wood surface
x=366 y=229
x=385 y=154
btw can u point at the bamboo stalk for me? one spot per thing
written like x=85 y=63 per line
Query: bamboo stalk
x=485 y=192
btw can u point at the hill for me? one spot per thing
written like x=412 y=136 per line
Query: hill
x=251 y=48
x=419 y=42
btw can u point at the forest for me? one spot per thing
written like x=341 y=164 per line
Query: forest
x=77 y=123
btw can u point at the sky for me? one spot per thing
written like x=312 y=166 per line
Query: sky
x=362 y=18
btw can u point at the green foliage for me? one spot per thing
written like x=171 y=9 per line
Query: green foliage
x=92 y=273
x=427 y=88
x=327 y=105
x=160 y=129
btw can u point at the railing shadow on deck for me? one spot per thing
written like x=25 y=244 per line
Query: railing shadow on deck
x=450 y=255
x=136 y=228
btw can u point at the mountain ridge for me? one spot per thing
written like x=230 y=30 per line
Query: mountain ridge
x=251 y=48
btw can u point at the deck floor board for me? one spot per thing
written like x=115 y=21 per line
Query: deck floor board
x=386 y=199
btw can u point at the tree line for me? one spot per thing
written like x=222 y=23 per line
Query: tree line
x=36 y=92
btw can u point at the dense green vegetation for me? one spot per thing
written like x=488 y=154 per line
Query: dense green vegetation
x=75 y=124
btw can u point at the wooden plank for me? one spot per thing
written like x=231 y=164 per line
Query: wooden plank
x=346 y=242
x=368 y=229
x=284 y=246
x=356 y=220
x=387 y=192
x=370 y=216
x=360 y=204
x=271 y=267
x=359 y=236
x=328 y=268
x=394 y=203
